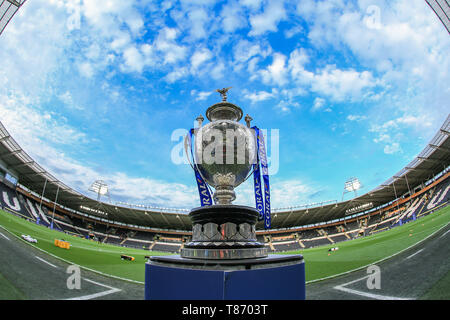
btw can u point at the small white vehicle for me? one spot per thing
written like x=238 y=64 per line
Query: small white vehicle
x=29 y=239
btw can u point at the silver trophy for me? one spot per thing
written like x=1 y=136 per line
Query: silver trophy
x=224 y=152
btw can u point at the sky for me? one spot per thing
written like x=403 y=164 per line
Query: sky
x=105 y=90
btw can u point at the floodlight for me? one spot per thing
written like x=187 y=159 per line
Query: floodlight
x=100 y=188
x=351 y=185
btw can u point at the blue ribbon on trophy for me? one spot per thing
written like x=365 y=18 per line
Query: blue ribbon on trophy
x=262 y=201
x=203 y=189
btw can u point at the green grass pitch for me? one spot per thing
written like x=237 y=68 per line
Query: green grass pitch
x=319 y=263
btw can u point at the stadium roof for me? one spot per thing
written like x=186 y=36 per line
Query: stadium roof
x=7 y=10
x=434 y=159
x=442 y=10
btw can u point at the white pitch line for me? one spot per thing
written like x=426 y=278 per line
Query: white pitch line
x=99 y=294
x=369 y=295
x=418 y=251
x=1 y=234
x=445 y=233
x=46 y=262
x=365 y=294
x=378 y=261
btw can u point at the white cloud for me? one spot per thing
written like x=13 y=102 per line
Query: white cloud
x=353 y=117
x=176 y=74
x=166 y=44
x=273 y=13
x=330 y=81
x=17 y=110
x=391 y=131
x=199 y=57
x=392 y=148
x=277 y=72
x=201 y=95
x=133 y=59
x=289 y=33
x=199 y=19
x=405 y=46
x=318 y=104
x=108 y=18
x=285 y=106
x=67 y=99
x=342 y=84
x=42 y=131
x=233 y=17
x=245 y=50
x=252 y=4
x=86 y=69
x=258 y=96
x=284 y=193
x=138 y=58
x=218 y=71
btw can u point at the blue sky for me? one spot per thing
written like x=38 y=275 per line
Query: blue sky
x=353 y=88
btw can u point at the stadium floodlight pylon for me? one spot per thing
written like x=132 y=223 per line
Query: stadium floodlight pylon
x=351 y=185
x=100 y=188
x=8 y=9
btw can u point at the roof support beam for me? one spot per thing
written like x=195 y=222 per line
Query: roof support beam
x=5 y=137
x=439 y=147
x=429 y=160
x=14 y=2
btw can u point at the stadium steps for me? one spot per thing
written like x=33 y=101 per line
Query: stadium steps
x=427 y=200
x=341 y=230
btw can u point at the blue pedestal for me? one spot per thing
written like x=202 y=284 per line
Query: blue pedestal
x=277 y=277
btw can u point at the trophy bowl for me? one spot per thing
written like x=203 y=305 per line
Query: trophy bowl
x=224 y=151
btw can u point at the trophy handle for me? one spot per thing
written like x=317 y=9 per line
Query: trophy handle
x=257 y=160
x=187 y=145
x=187 y=148
x=249 y=175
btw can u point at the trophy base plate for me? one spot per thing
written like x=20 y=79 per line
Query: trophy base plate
x=224 y=253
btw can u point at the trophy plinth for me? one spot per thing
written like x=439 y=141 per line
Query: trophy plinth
x=224 y=153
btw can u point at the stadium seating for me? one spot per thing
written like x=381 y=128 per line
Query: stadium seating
x=422 y=203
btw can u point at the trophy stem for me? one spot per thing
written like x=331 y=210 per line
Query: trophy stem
x=224 y=195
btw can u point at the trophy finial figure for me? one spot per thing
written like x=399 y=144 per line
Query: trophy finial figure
x=247 y=120
x=223 y=93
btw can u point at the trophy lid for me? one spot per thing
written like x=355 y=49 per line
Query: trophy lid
x=224 y=110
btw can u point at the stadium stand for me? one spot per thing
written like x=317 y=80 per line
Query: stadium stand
x=22 y=194
x=423 y=202
x=26 y=190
